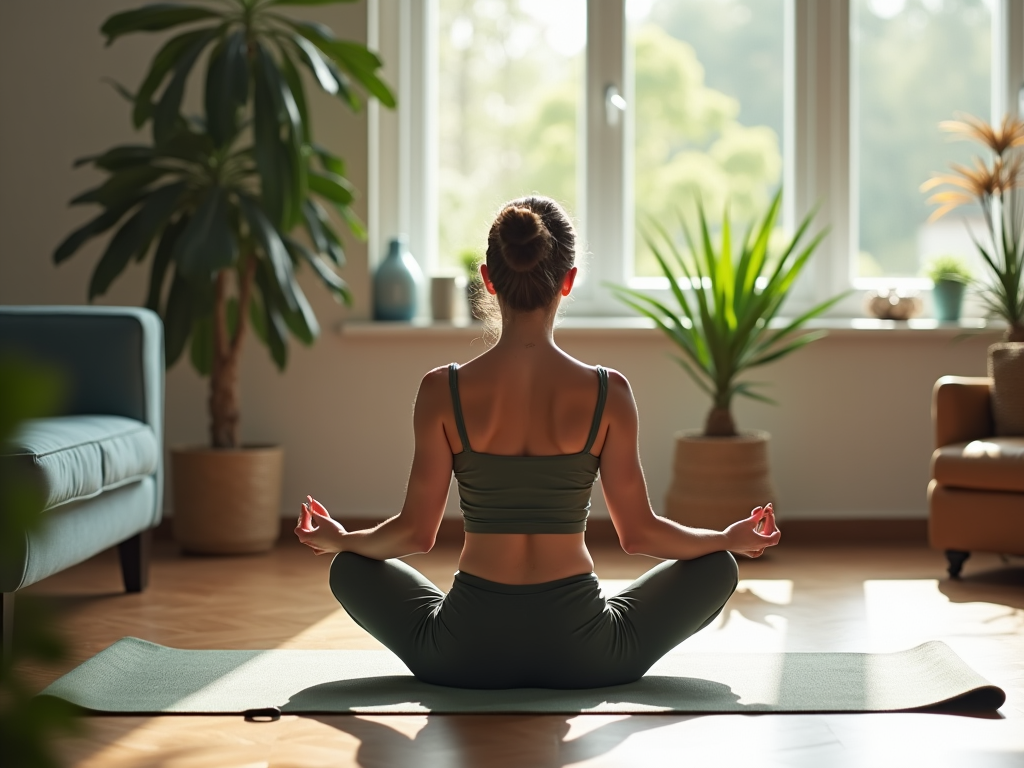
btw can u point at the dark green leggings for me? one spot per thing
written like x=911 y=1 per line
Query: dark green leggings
x=559 y=634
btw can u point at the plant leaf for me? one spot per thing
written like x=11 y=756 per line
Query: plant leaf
x=90 y=229
x=335 y=188
x=271 y=157
x=168 y=109
x=337 y=286
x=356 y=59
x=161 y=261
x=135 y=235
x=121 y=186
x=275 y=329
x=162 y=63
x=118 y=158
x=153 y=18
x=287 y=116
x=208 y=243
x=227 y=88
x=177 y=319
x=273 y=246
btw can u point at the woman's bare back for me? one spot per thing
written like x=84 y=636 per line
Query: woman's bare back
x=536 y=401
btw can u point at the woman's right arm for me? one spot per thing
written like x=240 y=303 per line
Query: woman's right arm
x=640 y=531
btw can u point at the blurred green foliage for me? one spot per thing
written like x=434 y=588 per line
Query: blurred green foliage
x=27 y=722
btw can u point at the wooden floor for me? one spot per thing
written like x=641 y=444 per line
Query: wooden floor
x=801 y=598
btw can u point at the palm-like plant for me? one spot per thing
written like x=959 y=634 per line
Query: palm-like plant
x=215 y=200
x=726 y=306
x=995 y=185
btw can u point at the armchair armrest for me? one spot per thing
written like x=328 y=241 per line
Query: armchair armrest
x=961 y=409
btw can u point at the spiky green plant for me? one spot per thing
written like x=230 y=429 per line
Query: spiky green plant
x=723 y=325
x=215 y=200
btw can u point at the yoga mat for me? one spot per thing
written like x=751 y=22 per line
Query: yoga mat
x=138 y=677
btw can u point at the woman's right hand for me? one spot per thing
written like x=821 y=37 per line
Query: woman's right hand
x=322 y=536
x=744 y=538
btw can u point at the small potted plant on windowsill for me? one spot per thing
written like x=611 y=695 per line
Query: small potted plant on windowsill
x=723 y=327
x=217 y=204
x=475 y=293
x=950 y=276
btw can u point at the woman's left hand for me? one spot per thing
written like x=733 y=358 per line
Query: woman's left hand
x=317 y=529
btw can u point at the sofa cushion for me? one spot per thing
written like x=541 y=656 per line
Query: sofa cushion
x=76 y=457
x=992 y=464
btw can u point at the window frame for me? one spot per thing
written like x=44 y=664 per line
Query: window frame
x=818 y=144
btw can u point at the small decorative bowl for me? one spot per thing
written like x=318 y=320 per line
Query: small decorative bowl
x=892 y=304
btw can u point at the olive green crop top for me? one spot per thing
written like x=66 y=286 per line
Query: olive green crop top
x=525 y=494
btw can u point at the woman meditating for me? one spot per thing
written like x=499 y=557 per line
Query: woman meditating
x=525 y=427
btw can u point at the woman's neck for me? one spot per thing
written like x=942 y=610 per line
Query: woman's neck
x=527 y=330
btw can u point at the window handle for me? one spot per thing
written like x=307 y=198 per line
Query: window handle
x=614 y=105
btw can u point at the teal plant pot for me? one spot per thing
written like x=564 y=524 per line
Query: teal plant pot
x=948 y=297
x=396 y=284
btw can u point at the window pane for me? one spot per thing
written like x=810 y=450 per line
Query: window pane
x=915 y=63
x=510 y=90
x=709 y=109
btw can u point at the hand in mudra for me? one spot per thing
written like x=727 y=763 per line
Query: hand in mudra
x=317 y=529
x=752 y=535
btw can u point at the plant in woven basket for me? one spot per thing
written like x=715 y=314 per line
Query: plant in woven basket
x=994 y=183
x=726 y=306
x=217 y=202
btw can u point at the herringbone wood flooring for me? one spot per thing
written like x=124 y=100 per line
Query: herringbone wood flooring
x=801 y=598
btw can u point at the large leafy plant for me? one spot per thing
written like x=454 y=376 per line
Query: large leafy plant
x=229 y=204
x=726 y=305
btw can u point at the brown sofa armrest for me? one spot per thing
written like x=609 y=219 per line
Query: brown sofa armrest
x=961 y=409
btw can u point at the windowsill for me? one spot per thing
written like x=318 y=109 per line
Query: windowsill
x=638 y=326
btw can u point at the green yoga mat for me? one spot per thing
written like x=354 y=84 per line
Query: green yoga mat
x=138 y=677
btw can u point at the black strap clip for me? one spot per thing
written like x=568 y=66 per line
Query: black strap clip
x=262 y=715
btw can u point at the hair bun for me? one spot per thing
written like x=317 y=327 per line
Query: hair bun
x=525 y=239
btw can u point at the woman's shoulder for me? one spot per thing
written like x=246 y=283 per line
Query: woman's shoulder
x=434 y=387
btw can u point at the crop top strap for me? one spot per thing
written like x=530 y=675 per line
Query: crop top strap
x=453 y=384
x=602 y=395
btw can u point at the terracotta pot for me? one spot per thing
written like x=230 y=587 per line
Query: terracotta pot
x=227 y=501
x=718 y=480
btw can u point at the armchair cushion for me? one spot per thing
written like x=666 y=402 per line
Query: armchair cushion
x=992 y=464
x=77 y=457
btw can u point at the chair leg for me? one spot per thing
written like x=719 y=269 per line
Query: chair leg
x=956 y=560
x=7 y=624
x=135 y=561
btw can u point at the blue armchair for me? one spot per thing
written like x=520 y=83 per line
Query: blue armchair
x=100 y=461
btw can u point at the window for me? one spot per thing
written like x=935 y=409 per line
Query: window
x=509 y=95
x=720 y=133
x=915 y=63
x=621 y=108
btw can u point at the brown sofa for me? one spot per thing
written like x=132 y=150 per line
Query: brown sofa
x=976 y=495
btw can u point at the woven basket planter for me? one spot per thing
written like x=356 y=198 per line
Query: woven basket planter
x=227 y=502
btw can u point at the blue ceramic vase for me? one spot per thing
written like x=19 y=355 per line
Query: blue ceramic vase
x=396 y=284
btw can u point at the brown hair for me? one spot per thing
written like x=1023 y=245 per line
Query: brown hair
x=530 y=248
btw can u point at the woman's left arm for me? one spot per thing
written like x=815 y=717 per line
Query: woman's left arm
x=414 y=529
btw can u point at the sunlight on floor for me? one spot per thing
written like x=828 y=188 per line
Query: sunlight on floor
x=903 y=613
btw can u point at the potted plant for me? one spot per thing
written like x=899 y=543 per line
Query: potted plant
x=724 y=325
x=226 y=207
x=994 y=183
x=950 y=276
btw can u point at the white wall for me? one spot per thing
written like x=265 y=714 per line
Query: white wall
x=852 y=437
